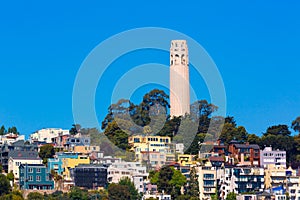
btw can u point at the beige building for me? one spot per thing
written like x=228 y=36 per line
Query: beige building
x=85 y=149
x=207 y=178
x=157 y=149
x=277 y=175
x=179 y=78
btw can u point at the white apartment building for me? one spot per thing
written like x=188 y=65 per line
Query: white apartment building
x=46 y=135
x=133 y=170
x=268 y=156
x=10 y=138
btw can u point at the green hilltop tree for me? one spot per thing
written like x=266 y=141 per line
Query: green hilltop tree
x=2 y=130
x=46 y=151
x=296 y=124
x=13 y=130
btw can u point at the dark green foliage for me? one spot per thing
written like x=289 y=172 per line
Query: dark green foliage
x=2 y=130
x=169 y=180
x=253 y=139
x=75 y=129
x=10 y=176
x=35 y=196
x=5 y=187
x=277 y=130
x=118 y=192
x=116 y=135
x=193 y=184
x=46 y=151
x=231 y=132
x=78 y=194
x=12 y=129
x=296 y=124
x=231 y=196
x=131 y=188
x=14 y=195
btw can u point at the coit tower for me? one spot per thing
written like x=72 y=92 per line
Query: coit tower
x=179 y=79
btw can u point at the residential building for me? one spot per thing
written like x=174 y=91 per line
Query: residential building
x=90 y=176
x=56 y=163
x=207 y=178
x=76 y=141
x=6 y=150
x=155 y=158
x=16 y=158
x=245 y=154
x=272 y=157
x=276 y=175
x=10 y=138
x=133 y=170
x=157 y=196
x=246 y=197
x=61 y=139
x=186 y=159
x=84 y=149
x=99 y=158
x=47 y=135
x=240 y=180
x=35 y=176
x=69 y=163
x=179 y=148
x=143 y=145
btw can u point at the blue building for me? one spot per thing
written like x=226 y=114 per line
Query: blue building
x=56 y=163
x=35 y=176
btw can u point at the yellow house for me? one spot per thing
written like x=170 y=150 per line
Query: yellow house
x=69 y=163
x=141 y=144
x=186 y=160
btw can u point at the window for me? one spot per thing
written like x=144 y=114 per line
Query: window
x=38 y=170
x=38 y=178
x=30 y=170
x=30 y=178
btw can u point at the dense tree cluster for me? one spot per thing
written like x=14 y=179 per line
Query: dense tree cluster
x=12 y=129
x=150 y=117
x=168 y=180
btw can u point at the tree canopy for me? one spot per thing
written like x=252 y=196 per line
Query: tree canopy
x=46 y=151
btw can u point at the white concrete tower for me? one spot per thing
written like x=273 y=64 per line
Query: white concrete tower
x=179 y=78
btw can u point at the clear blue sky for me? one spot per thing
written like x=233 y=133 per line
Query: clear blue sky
x=255 y=44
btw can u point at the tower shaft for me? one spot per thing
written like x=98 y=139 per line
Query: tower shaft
x=179 y=79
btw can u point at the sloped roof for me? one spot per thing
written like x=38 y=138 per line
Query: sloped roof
x=23 y=154
x=243 y=146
